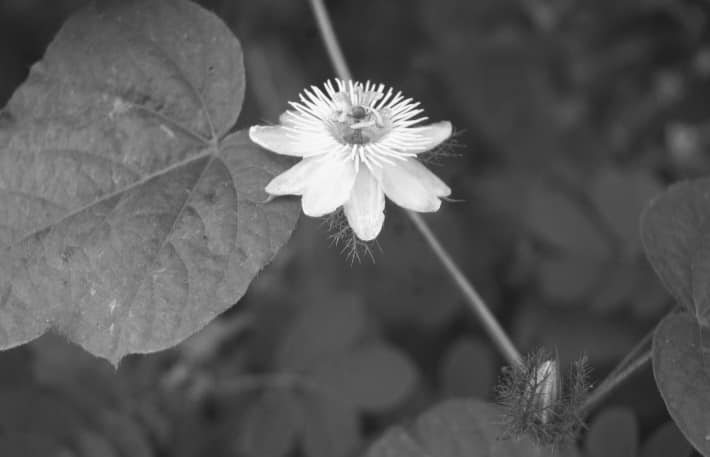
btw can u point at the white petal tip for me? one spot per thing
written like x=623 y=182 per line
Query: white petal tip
x=271 y=190
x=445 y=129
x=255 y=132
x=280 y=186
x=367 y=236
x=444 y=191
x=368 y=231
x=433 y=207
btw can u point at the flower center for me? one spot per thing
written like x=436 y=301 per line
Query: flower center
x=355 y=136
x=358 y=125
x=358 y=112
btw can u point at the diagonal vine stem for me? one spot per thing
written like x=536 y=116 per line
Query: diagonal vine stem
x=637 y=359
x=612 y=382
x=474 y=301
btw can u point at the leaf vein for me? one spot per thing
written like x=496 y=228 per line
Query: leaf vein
x=177 y=70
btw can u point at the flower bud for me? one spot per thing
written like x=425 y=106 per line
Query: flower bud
x=541 y=403
x=545 y=390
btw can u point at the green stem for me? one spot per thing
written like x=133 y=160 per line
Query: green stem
x=633 y=353
x=615 y=379
x=635 y=360
x=474 y=301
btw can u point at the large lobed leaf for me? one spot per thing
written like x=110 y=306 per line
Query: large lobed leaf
x=129 y=217
x=675 y=230
x=681 y=366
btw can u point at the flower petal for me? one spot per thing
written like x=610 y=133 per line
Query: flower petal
x=429 y=179
x=366 y=206
x=294 y=180
x=430 y=136
x=280 y=139
x=329 y=187
x=410 y=185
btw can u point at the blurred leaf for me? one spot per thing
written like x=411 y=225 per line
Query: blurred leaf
x=577 y=227
x=457 y=428
x=559 y=221
x=90 y=383
x=111 y=411
x=505 y=192
x=620 y=198
x=374 y=377
x=666 y=441
x=424 y=295
x=273 y=72
x=330 y=426
x=27 y=445
x=675 y=230
x=568 y=279
x=15 y=368
x=91 y=444
x=56 y=360
x=126 y=434
x=681 y=366
x=650 y=297
x=572 y=332
x=468 y=369
x=271 y=425
x=497 y=73
x=40 y=411
x=43 y=416
x=614 y=432
x=397 y=442
x=322 y=330
x=620 y=283
x=129 y=219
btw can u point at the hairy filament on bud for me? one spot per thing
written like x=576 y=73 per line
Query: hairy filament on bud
x=539 y=402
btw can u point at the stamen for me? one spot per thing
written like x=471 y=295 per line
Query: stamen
x=371 y=121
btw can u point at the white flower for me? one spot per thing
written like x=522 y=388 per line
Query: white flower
x=358 y=142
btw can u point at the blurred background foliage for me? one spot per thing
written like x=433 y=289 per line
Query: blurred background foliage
x=570 y=114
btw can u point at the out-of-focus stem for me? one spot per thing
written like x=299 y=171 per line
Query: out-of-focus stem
x=475 y=302
x=335 y=53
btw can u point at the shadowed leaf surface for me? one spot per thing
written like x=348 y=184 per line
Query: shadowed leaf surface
x=330 y=426
x=323 y=331
x=272 y=425
x=613 y=433
x=374 y=377
x=30 y=445
x=129 y=218
x=457 y=428
x=666 y=440
x=681 y=366
x=468 y=369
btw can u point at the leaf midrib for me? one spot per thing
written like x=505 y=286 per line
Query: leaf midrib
x=73 y=212
x=128 y=304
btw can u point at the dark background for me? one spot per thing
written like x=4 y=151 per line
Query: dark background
x=570 y=115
